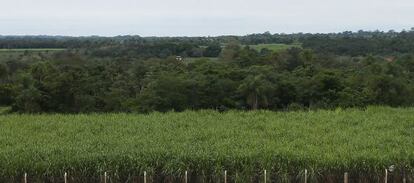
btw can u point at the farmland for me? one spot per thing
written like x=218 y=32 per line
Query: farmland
x=325 y=142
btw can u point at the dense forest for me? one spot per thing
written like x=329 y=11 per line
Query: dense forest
x=144 y=74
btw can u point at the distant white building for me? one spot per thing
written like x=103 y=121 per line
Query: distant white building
x=179 y=58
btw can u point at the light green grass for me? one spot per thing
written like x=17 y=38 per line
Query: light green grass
x=275 y=47
x=4 y=110
x=206 y=141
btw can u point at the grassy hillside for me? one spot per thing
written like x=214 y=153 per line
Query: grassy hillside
x=327 y=143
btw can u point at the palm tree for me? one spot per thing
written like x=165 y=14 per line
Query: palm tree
x=256 y=89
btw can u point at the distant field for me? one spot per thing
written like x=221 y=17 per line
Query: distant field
x=32 y=49
x=274 y=47
x=326 y=143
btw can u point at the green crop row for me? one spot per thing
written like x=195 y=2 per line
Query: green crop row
x=208 y=142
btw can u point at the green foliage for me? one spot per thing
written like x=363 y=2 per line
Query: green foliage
x=230 y=51
x=4 y=110
x=257 y=87
x=362 y=142
x=32 y=50
x=134 y=74
x=250 y=80
x=213 y=50
x=4 y=71
x=274 y=47
x=166 y=92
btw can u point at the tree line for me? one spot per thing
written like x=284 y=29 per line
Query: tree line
x=344 y=43
x=146 y=76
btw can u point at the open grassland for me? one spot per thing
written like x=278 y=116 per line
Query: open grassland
x=326 y=143
x=275 y=47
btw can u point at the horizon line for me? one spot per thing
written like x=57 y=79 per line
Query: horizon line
x=219 y=35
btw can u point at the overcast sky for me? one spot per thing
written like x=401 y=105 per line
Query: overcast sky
x=200 y=17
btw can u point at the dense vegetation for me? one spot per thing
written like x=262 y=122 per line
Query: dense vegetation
x=327 y=143
x=135 y=74
x=274 y=72
x=259 y=71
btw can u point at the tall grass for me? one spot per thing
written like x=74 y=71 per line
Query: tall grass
x=207 y=143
